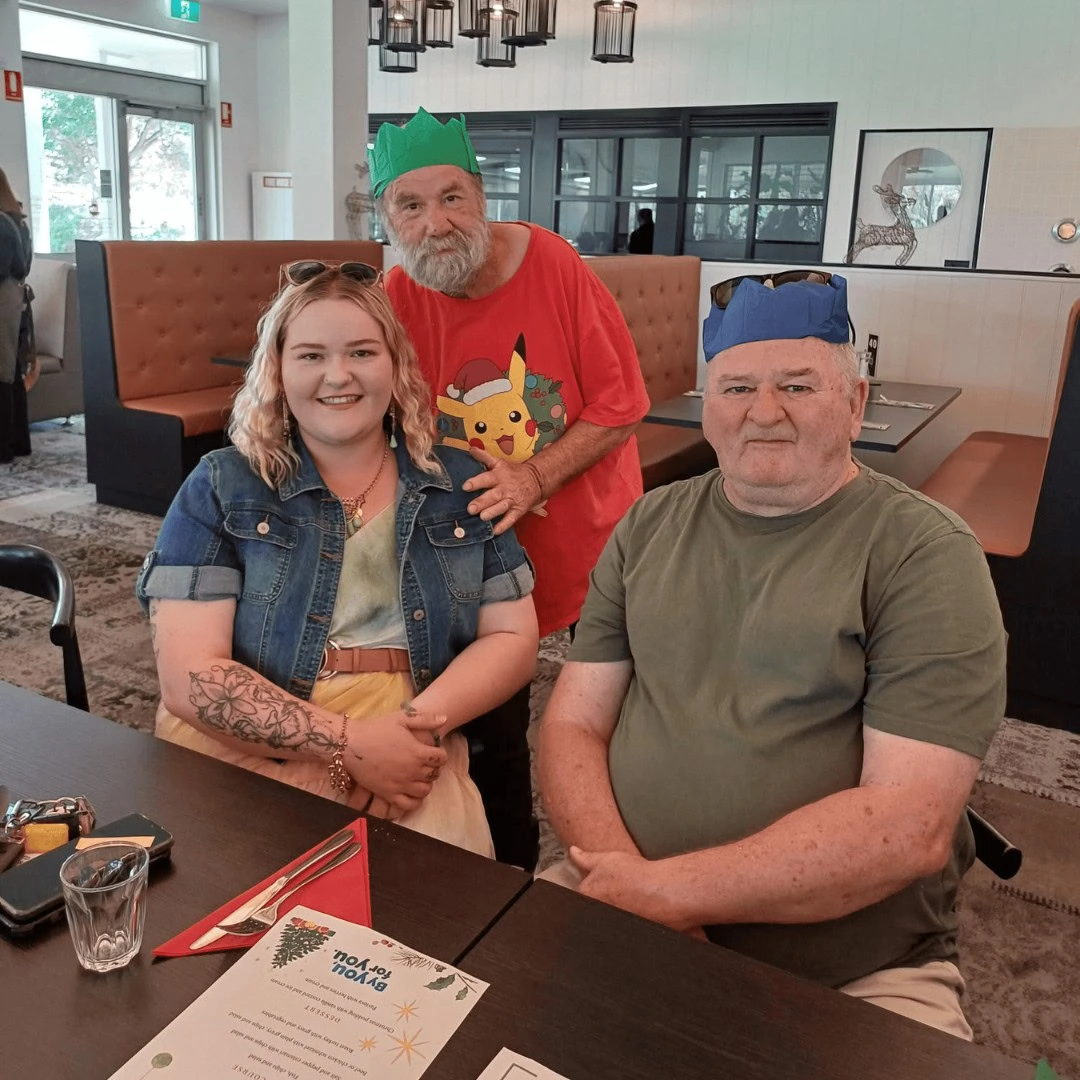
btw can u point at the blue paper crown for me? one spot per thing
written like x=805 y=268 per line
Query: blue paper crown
x=799 y=309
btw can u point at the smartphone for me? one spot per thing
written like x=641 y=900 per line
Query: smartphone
x=30 y=894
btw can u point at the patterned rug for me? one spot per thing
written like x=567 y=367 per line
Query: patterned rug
x=1020 y=939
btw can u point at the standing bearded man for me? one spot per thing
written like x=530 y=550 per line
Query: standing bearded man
x=534 y=371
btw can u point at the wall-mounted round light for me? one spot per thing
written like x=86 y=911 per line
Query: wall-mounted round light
x=1066 y=230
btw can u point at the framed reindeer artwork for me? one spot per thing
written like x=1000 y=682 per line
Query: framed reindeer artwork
x=919 y=197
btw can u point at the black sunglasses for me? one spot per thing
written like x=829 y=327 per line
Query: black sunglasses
x=722 y=292
x=298 y=273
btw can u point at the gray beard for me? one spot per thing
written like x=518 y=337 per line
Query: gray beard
x=451 y=272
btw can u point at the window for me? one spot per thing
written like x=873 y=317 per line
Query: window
x=757 y=197
x=745 y=184
x=115 y=151
x=104 y=44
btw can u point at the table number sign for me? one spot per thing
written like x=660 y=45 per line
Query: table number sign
x=317 y=997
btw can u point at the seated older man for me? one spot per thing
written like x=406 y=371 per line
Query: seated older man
x=783 y=681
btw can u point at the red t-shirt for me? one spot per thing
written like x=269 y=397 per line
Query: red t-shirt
x=511 y=370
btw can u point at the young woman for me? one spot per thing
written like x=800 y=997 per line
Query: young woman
x=15 y=257
x=324 y=608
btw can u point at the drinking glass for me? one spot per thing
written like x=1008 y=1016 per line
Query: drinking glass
x=105 y=896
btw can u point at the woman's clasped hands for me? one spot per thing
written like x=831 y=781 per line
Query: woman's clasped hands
x=396 y=757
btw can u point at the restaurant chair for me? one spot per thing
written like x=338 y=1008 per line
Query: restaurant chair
x=29 y=569
x=992 y=849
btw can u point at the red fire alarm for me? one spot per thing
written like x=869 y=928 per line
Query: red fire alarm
x=13 y=86
x=226 y=114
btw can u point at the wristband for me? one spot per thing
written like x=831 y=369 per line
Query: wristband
x=537 y=477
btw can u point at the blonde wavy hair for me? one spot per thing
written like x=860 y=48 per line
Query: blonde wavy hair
x=256 y=426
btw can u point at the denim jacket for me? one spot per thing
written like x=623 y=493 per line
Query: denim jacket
x=279 y=554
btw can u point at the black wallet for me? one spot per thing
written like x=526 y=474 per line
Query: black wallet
x=30 y=894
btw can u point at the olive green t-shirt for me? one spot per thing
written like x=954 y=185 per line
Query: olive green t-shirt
x=761 y=646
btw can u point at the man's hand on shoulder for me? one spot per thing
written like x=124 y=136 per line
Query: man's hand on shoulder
x=626 y=881
x=509 y=491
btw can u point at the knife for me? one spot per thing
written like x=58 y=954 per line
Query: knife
x=242 y=911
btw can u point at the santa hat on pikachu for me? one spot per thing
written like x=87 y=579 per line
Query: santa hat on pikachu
x=477 y=380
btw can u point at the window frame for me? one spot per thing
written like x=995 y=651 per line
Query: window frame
x=546 y=131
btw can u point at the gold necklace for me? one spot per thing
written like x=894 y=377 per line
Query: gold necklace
x=354 y=508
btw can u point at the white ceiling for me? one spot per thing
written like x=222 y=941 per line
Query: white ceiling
x=253 y=7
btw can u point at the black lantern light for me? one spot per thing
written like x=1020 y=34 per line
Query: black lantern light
x=403 y=26
x=439 y=24
x=613 y=31
x=491 y=52
x=398 y=61
x=375 y=12
x=500 y=17
x=470 y=24
x=535 y=24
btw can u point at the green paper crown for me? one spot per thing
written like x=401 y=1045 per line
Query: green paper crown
x=422 y=141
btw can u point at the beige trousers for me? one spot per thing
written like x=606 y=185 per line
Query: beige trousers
x=929 y=993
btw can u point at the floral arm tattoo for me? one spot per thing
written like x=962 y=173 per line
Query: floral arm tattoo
x=236 y=701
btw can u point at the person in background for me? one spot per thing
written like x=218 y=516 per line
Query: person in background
x=534 y=372
x=15 y=258
x=323 y=607
x=641 y=239
x=783 y=681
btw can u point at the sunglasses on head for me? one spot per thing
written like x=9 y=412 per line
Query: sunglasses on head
x=722 y=292
x=298 y=273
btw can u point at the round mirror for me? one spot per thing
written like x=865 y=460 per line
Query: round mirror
x=929 y=177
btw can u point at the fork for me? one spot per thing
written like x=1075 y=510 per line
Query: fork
x=265 y=917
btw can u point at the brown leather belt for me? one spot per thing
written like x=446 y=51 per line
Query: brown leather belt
x=356 y=661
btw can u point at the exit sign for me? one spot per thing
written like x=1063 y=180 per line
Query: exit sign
x=184 y=10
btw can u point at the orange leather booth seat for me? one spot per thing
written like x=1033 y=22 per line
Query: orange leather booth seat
x=993 y=478
x=658 y=296
x=174 y=305
x=152 y=315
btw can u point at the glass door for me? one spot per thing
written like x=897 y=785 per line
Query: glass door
x=71 y=142
x=161 y=169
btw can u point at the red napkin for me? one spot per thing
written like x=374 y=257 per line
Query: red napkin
x=344 y=892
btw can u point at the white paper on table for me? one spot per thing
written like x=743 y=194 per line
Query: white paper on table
x=510 y=1066
x=317 y=997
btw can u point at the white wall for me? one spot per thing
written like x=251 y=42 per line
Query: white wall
x=233 y=78
x=888 y=64
x=12 y=114
x=1034 y=182
x=272 y=74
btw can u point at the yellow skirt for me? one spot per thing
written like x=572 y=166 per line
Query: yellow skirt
x=453 y=811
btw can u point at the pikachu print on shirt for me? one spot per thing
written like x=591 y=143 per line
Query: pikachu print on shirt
x=503 y=408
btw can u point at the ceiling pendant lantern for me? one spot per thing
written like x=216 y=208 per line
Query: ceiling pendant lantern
x=492 y=51
x=535 y=24
x=470 y=25
x=613 y=31
x=439 y=24
x=397 y=61
x=403 y=25
x=375 y=22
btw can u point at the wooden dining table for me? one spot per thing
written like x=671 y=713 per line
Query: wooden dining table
x=597 y=994
x=903 y=424
x=231 y=829
x=587 y=990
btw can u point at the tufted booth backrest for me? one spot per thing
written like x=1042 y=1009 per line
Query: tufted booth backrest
x=658 y=296
x=174 y=305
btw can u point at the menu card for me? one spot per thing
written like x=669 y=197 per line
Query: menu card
x=317 y=997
